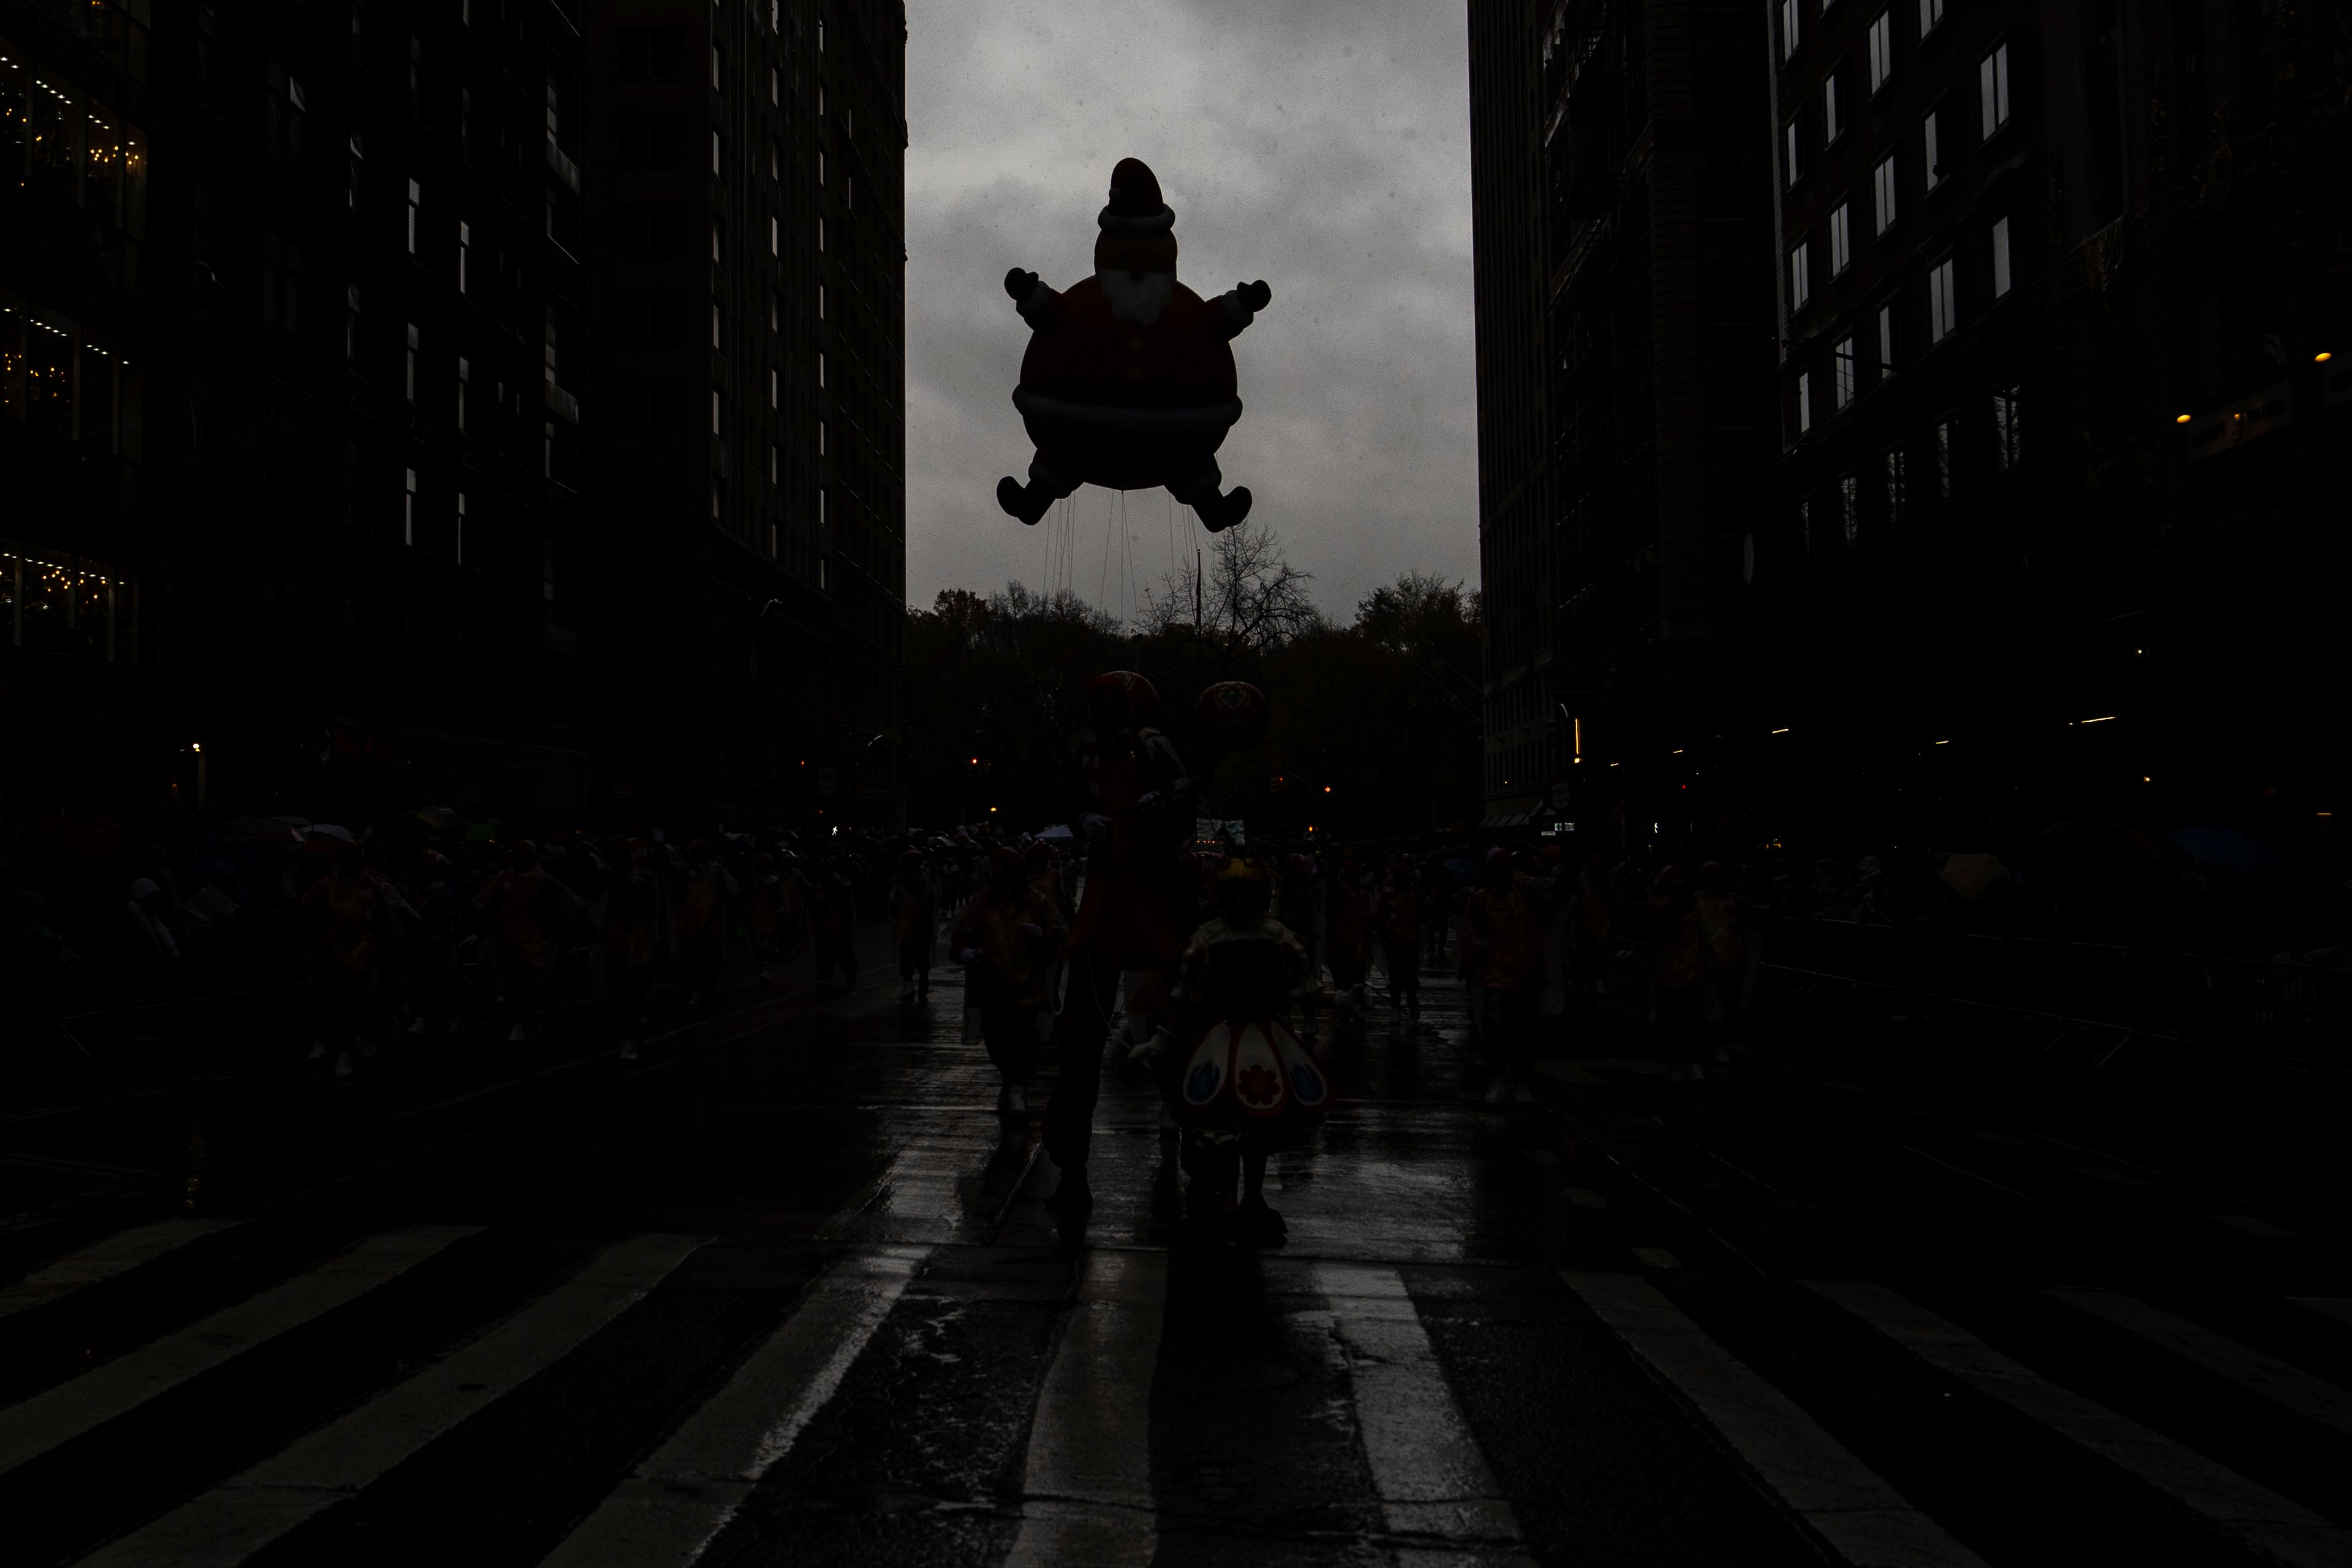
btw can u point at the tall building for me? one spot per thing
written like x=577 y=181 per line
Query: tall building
x=749 y=310
x=1515 y=536
x=2063 y=294
x=76 y=546
x=300 y=294
x=1625 y=387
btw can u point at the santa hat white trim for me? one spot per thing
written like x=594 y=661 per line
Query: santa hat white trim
x=1159 y=221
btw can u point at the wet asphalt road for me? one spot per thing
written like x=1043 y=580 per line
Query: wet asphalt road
x=787 y=1292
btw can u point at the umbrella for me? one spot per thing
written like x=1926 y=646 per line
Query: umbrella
x=330 y=830
x=1973 y=876
x=2227 y=848
x=1058 y=833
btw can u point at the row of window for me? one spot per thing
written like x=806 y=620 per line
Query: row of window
x=1890 y=487
x=1881 y=33
x=1943 y=319
x=1992 y=117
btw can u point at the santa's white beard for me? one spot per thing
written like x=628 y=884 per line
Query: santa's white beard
x=1137 y=300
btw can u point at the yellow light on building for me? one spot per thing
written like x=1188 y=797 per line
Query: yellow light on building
x=2180 y=420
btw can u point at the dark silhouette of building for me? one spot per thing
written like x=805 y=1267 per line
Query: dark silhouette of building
x=750 y=314
x=75 y=548
x=2060 y=288
x=320 y=269
x=1619 y=152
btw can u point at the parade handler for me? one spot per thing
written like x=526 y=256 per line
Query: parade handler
x=1133 y=802
x=1005 y=939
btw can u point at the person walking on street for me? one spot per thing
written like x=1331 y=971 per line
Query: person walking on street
x=914 y=911
x=351 y=914
x=1397 y=918
x=705 y=893
x=528 y=913
x=631 y=930
x=1133 y=802
x=1502 y=957
x=1005 y=939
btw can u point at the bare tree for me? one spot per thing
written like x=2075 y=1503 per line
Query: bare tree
x=1248 y=594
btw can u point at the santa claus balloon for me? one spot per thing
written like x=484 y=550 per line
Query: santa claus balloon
x=1128 y=383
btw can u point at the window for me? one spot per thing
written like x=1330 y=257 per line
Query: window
x=1943 y=308
x=2008 y=444
x=1841 y=373
x=408 y=376
x=775 y=312
x=1886 y=342
x=1804 y=402
x=1927 y=143
x=775 y=236
x=820 y=236
x=714 y=150
x=352 y=324
x=1832 y=122
x=1801 y=276
x=714 y=66
x=820 y=167
x=1882 y=49
x=1882 y=191
x=1896 y=493
x=820 y=370
x=461 y=528
x=1793 y=153
x=717 y=315
x=351 y=194
x=1930 y=12
x=775 y=462
x=1850 y=506
x=465 y=373
x=415 y=199
x=775 y=86
x=1789 y=35
x=718 y=411
x=1992 y=90
x=465 y=243
x=820 y=301
x=820 y=437
x=774 y=387
x=2001 y=278
x=1944 y=460
x=1840 y=239
x=408 y=510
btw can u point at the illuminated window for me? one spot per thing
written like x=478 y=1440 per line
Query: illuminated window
x=1882 y=50
x=1992 y=90
x=1789 y=33
x=1930 y=12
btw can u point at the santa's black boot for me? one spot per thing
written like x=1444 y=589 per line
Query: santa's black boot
x=1027 y=502
x=1217 y=513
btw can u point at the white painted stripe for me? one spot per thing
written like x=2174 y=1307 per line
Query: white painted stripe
x=35 y=1425
x=2335 y=1307
x=1866 y=1521
x=1087 y=1494
x=2253 y=1512
x=675 y=1503
x=2250 y=1369
x=1437 y=1494
x=241 y=1516
x=102 y=1260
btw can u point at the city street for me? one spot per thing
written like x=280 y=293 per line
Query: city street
x=779 y=1293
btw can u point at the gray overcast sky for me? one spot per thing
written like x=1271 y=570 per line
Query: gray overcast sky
x=1322 y=145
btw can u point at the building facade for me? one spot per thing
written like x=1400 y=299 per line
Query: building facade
x=76 y=545
x=1624 y=405
x=2062 y=292
x=752 y=307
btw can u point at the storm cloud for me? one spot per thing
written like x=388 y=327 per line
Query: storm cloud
x=1319 y=144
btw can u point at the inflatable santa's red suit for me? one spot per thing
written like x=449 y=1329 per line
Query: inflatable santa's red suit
x=1128 y=383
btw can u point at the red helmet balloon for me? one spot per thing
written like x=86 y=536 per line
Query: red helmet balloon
x=1130 y=690
x=1233 y=713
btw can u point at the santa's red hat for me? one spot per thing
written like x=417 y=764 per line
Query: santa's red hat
x=1136 y=210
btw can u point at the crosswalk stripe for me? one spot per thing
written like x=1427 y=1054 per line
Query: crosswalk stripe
x=2250 y=1369
x=1864 y=1519
x=2335 y=1307
x=34 y=1425
x=675 y=1503
x=102 y=1260
x=1087 y=1492
x=2253 y=1512
x=238 y=1518
x=1436 y=1490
